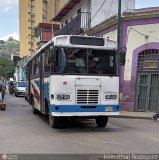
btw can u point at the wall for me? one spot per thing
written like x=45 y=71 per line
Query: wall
x=109 y=8
x=39 y=9
x=73 y=13
x=133 y=39
x=135 y=44
x=23 y=27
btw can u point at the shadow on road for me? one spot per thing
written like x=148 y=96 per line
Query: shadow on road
x=81 y=125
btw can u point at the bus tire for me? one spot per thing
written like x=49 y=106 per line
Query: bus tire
x=54 y=121
x=34 y=110
x=101 y=121
x=46 y=107
x=3 y=107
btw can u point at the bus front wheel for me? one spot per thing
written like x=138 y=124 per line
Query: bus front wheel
x=54 y=121
x=101 y=121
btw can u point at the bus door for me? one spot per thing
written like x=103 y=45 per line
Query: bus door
x=42 y=104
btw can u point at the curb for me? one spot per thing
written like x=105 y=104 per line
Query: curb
x=132 y=117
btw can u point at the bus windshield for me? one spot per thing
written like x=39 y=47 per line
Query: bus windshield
x=87 y=61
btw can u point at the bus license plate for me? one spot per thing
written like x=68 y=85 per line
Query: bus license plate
x=108 y=109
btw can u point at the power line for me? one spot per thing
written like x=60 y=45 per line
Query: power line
x=98 y=10
x=110 y=7
x=126 y=5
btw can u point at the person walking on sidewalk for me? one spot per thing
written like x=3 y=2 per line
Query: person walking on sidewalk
x=2 y=88
x=156 y=116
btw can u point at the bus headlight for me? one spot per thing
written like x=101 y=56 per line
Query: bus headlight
x=110 y=96
x=62 y=96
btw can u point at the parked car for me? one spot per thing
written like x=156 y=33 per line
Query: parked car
x=19 y=89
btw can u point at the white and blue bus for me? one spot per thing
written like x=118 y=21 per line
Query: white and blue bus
x=74 y=76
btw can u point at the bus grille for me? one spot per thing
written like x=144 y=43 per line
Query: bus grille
x=87 y=96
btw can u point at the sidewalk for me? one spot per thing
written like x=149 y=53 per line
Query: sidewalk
x=135 y=115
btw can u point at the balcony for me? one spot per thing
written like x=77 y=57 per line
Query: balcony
x=77 y=25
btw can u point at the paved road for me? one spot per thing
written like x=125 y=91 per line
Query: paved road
x=23 y=132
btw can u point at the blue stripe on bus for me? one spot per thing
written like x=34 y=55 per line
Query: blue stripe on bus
x=46 y=90
x=83 y=108
x=37 y=82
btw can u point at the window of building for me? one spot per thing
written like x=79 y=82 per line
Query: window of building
x=79 y=11
x=32 y=15
x=66 y=22
x=45 y=1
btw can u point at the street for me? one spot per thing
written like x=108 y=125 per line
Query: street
x=23 y=132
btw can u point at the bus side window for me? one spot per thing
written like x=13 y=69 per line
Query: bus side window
x=33 y=67
x=51 y=58
x=36 y=66
x=60 y=60
x=57 y=61
x=51 y=51
x=46 y=61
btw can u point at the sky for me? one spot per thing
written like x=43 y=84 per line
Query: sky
x=9 y=16
x=9 y=19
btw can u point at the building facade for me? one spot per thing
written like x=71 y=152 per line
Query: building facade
x=79 y=15
x=31 y=13
x=139 y=77
x=44 y=32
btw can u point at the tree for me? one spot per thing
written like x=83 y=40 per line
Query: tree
x=6 y=67
x=8 y=48
x=12 y=44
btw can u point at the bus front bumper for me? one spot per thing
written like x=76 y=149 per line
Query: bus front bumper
x=84 y=110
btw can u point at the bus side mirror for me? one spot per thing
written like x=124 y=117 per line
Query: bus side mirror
x=122 y=58
x=52 y=54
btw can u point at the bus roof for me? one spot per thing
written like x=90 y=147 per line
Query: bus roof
x=84 y=42
x=80 y=41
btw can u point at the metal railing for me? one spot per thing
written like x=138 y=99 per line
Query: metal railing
x=77 y=25
x=148 y=60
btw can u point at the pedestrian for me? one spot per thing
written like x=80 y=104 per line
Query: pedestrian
x=2 y=88
x=156 y=116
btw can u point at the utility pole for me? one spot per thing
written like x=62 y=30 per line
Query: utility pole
x=118 y=35
x=119 y=25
